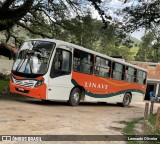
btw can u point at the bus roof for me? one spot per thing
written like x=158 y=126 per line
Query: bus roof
x=60 y=42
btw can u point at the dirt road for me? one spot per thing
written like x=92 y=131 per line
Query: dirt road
x=31 y=116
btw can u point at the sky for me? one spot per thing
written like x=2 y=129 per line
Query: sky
x=138 y=34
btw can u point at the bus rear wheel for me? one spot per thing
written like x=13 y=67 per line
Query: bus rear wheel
x=126 y=100
x=75 y=97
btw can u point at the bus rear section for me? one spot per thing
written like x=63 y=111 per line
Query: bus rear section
x=107 y=80
x=56 y=70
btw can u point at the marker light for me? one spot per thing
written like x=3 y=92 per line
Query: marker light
x=40 y=82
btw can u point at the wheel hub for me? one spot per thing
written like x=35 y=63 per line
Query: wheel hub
x=126 y=100
x=76 y=97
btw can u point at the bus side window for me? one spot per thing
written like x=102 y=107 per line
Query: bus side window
x=117 y=71
x=141 y=77
x=131 y=74
x=102 y=67
x=76 y=60
x=61 y=63
x=82 y=62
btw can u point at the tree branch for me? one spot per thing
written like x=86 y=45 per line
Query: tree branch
x=33 y=31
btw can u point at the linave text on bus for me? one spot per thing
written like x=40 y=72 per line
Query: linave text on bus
x=96 y=85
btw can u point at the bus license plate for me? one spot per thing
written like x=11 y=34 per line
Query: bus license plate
x=21 y=89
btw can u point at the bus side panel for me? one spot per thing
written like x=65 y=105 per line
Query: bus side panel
x=137 y=97
x=107 y=89
x=118 y=98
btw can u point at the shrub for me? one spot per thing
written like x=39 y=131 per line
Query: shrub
x=4 y=76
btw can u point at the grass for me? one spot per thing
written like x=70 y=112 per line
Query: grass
x=9 y=96
x=152 y=119
x=12 y=96
x=3 y=84
x=128 y=130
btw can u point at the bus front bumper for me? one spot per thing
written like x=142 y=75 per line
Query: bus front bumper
x=35 y=92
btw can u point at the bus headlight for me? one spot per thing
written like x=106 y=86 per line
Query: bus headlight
x=39 y=83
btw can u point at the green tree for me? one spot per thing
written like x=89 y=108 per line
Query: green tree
x=54 y=19
x=88 y=32
x=142 y=14
x=150 y=47
x=10 y=14
x=20 y=12
x=84 y=31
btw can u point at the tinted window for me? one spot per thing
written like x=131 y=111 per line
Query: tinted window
x=141 y=77
x=102 y=67
x=118 y=71
x=61 y=63
x=66 y=61
x=131 y=74
x=83 y=62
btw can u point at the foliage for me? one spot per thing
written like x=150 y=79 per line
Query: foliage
x=133 y=52
x=150 y=47
x=10 y=13
x=41 y=12
x=146 y=129
x=4 y=77
x=152 y=119
x=88 y=32
x=3 y=84
x=142 y=14
x=72 y=21
x=84 y=31
x=128 y=130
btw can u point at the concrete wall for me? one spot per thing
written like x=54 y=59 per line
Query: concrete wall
x=5 y=65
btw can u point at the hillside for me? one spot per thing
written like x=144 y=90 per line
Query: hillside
x=135 y=40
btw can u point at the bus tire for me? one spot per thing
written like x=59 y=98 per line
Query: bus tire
x=126 y=100
x=75 y=97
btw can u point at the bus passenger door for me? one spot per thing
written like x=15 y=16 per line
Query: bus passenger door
x=60 y=75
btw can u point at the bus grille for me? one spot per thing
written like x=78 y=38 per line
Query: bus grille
x=26 y=83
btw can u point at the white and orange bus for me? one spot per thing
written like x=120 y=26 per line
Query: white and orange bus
x=56 y=70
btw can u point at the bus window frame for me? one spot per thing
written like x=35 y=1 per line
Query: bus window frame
x=144 y=79
x=135 y=76
x=109 y=66
x=62 y=73
x=92 y=55
x=123 y=71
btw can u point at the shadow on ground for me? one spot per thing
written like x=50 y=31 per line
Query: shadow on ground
x=23 y=99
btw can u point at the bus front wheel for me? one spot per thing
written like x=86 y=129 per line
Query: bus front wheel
x=126 y=100
x=75 y=97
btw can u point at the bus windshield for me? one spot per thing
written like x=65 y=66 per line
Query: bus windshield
x=33 y=57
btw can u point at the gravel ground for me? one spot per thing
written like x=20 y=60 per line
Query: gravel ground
x=20 y=116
